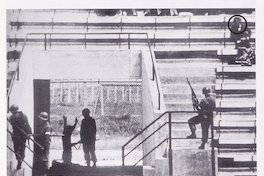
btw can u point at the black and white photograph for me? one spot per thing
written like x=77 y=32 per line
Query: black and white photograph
x=131 y=92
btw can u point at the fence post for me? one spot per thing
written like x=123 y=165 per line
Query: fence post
x=170 y=150
x=212 y=143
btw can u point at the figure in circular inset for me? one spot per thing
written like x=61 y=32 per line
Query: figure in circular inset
x=240 y=33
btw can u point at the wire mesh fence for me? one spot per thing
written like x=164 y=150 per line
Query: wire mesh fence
x=108 y=100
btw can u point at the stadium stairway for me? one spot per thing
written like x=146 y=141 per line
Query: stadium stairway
x=235 y=122
x=173 y=72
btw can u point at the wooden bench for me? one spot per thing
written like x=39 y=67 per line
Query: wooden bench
x=235 y=106
x=236 y=71
x=235 y=89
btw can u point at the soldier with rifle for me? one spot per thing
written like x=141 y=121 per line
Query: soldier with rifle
x=205 y=114
x=21 y=132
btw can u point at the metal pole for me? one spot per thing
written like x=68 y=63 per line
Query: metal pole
x=170 y=150
x=213 y=152
x=123 y=160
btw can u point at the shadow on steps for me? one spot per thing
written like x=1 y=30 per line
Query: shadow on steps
x=60 y=169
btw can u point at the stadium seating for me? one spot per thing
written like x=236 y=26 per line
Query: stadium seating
x=231 y=84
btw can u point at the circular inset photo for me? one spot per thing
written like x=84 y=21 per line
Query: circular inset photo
x=237 y=24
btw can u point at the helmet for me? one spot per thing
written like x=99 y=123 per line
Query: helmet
x=13 y=108
x=85 y=112
x=206 y=90
x=43 y=116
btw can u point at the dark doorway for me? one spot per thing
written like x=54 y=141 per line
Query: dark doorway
x=41 y=103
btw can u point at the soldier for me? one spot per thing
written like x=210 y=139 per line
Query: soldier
x=66 y=140
x=43 y=137
x=21 y=132
x=205 y=116
x=88 y=137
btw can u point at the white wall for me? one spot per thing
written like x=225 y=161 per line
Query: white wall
x=86 y=64
x=22 y=95
x=150 y=108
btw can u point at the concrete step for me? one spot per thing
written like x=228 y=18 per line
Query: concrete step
x=179 y=106
x=185 y=88
x=194 y=79
x=237 y=172
x=188 y=62
x=171 y=96
x=183 y=71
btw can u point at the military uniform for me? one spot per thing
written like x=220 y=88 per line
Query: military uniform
x=88 y=137
x=205 y=117
x=19 y=122
x=43 y=138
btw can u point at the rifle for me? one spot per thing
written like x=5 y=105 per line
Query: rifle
x=194 y=98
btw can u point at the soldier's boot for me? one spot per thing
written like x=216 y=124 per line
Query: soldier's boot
x=88 y=163
x=192 y=136
x=202 y=146
x=94 y=165
x=193 y=129
x=19 y=163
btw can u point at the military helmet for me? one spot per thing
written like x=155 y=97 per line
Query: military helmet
x=85 y=112
x=43 y=116
x=206 y=90
x=13 y=108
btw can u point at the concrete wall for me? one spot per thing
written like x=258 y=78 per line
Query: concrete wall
x=150 y=107
x=66 y=65
x=86 y=64
x=22 y=95
x=188 y=162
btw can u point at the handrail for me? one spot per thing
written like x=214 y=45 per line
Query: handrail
x=12 y=134
x=169 y=122
x=26 y=134
x=154 y=76
x=21 y=158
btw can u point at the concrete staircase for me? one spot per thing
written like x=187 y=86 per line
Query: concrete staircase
x=177 y=93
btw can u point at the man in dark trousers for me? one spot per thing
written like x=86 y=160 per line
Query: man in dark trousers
x=88 y=137
x=240 y=33
x=43 y=137
x=205 y=116
x=21 y=132
x=66 y=140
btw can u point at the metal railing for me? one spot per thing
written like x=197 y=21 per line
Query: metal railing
x=169 y=122
x=27 y=146
x=115 y=39
x=185 y=22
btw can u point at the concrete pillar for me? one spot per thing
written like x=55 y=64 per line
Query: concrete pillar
x=148 y=171
x=188 y=162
